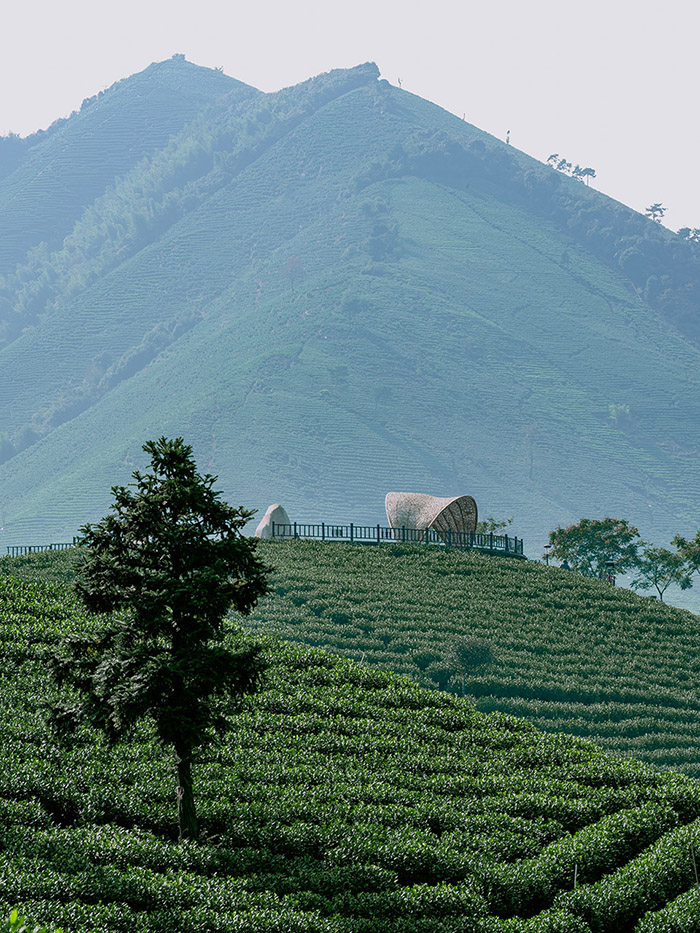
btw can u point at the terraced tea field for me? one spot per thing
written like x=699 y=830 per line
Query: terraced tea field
x=344 y=798
x=567 y=653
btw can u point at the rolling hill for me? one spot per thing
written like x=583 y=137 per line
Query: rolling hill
x=338 y=290
x=343 y=799
x=567 y=653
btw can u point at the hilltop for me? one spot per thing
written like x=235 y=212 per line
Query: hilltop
x=569 y=654
x=344 y=799
x=59 y=172
x=334 y=291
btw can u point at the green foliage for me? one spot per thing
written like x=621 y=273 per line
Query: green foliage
x=343 y=798
x=619 y=414
x=689 y=550
x=341 y=223
x=471 y=654
x=655 y=212
x=590 y=544
x=168 y=563
x=489 y=525
x=647 y=882
x=570 y=653
x=678 y=916
x=72 y=163
x=659 y=568
x=17 y=924
x=173 y=181
x=576 y=171
x=49 y=566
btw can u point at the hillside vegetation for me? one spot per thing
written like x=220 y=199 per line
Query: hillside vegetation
x=344 y=798
x=334 y=291
x=568 y=653
x=58 y=173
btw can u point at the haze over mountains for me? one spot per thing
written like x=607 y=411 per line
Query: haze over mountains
x=332 y=292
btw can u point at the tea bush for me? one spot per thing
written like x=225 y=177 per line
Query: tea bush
x=343 y=798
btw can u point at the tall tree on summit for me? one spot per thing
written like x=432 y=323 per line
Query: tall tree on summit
x=167 y=564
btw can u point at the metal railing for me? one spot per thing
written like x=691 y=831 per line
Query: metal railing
x=354 y=534
x=20 y=549
x=376 y=534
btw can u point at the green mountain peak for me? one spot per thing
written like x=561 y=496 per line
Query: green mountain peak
x=334 y=291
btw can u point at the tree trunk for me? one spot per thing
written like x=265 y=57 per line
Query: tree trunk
x=186 y=813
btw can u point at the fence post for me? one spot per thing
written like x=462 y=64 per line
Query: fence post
x=403 y=532
x=295 y=530
x=449 y=537
x=507 y=544
x=352 y=533
x=515 y=540
x=377 y=532
x=491 y=542
x=323 y=531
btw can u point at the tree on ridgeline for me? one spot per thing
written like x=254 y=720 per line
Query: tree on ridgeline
x=659 y=568
x=689 y=549
x=655 y=212
x=165 y=565
x=690 y=234
x=490 y=525
x=577 y=171
x=591 y=544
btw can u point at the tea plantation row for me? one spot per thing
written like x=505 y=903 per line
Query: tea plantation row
x=568 y=653
x=344 y=798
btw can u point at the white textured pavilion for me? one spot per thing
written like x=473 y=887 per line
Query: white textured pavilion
x=441 y=514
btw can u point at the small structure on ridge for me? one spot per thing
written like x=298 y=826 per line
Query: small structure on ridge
x=275 y=514
x=419 y=510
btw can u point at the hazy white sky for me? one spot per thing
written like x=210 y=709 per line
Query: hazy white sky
x=610 y=84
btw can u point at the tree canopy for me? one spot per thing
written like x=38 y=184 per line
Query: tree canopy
x=656 y=212
x=166 y=564
x=689 y=549
x=659 y=568
x=590 y=544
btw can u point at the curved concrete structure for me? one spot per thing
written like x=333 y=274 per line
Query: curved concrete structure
x=443 y=514
x=277 y=514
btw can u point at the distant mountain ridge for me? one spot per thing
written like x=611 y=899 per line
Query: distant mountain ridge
x=67 y=168
x=337 y=290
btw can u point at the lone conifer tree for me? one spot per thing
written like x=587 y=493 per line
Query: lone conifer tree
x=167 y=564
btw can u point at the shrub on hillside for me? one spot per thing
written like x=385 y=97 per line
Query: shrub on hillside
x=17 y=924
x=471 y=654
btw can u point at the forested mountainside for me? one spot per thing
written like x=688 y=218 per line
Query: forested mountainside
x=48 y=179
x=338 y=290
